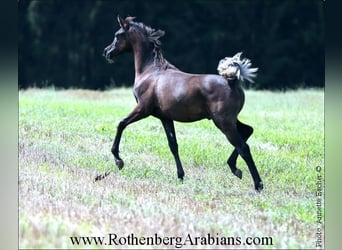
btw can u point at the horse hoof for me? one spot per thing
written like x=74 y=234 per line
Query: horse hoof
x=119 y=163
x=259 y=186
x=180 y=177
x=238 y=173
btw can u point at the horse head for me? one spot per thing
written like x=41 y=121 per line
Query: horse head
x=121 y=42
x=129 y=34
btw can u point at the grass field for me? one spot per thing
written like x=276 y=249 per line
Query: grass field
x=65 y=139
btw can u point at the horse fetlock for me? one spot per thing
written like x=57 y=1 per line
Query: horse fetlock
x=115 y=151
x=238 y=173
x=259 y=186
x=232 y=162
x=119 y=163
x=180 y=175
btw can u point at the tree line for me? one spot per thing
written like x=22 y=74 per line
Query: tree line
x=60 y=43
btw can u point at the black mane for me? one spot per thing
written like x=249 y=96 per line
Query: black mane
x=148 y=32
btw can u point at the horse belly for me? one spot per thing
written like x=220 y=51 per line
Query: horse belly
x=188 y=114
x=183 y=109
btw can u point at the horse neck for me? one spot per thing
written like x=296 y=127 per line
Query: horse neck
x=143 y=57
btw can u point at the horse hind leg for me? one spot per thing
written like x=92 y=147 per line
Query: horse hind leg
x=242 y=148
x=245 y=132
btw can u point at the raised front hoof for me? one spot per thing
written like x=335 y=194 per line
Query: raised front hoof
x=238 y=173
x=259 y=186
x=119 y=163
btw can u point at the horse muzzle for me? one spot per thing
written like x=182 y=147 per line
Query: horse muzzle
x=109 y=52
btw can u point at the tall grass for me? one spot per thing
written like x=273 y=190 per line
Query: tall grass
x=65 y=139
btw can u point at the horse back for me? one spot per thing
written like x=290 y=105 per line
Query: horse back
x=190 y=97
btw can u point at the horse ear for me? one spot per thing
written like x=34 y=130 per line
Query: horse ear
x=129 y=19
x=125 y=23
x=157 y=34
x=121 y=21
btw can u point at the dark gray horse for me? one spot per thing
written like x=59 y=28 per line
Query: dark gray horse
x=165 y=92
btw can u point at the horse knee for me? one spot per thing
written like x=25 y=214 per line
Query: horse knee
x=122 y=125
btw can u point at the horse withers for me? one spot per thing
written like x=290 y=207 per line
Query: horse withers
x=167 y=93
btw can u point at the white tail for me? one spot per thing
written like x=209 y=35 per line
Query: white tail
x=235 y=67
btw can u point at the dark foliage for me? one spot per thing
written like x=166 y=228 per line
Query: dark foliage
x=61 y=42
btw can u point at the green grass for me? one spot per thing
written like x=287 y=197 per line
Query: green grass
x=65 y=139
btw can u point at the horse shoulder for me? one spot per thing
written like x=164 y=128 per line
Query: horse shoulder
x=143 y=89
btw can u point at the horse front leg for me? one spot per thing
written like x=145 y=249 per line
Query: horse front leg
x=172 y=140
x=137 y=114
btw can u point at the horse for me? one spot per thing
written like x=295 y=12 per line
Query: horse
x=163 y=91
